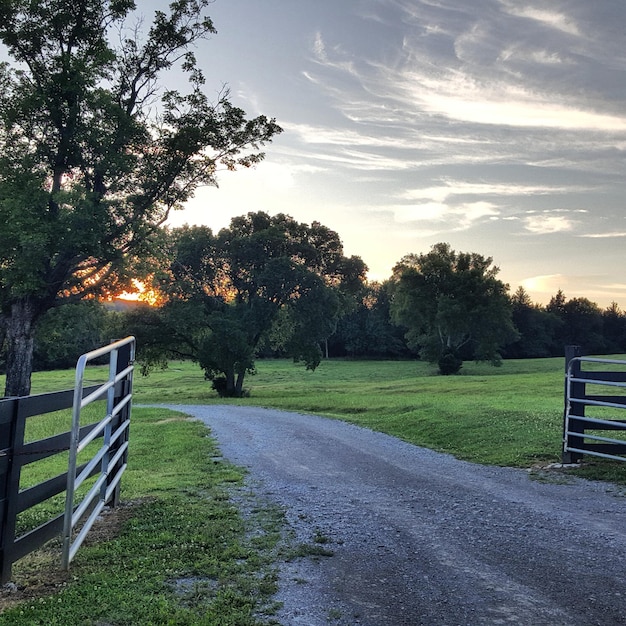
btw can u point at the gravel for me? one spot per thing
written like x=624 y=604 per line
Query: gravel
x=420 y=538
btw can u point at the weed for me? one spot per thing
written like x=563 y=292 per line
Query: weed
x=334 y=615
x=303 y=550
x=320 y=537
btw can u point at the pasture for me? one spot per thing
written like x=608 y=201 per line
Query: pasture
x=179 y=539
x=510 y=415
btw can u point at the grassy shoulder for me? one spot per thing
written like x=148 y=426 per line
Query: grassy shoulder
x=510 y=415
x=177 y=552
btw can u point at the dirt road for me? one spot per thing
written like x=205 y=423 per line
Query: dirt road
x=419 y=538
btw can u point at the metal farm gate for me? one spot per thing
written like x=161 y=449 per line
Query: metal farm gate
x=103 y=462
x=595 y=399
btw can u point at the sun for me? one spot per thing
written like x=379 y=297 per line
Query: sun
x=140 y=294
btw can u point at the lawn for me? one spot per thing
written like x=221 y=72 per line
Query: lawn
x=184 y=555
x=510 y=415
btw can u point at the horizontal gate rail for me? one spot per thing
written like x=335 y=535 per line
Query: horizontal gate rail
x=577 y=438
x=15 y=454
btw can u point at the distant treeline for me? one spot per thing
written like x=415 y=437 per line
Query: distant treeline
x=367 y=331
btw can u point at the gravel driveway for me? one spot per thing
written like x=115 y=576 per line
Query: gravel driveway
x=421 y=538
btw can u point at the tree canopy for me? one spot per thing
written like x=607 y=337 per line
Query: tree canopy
x=95 y=153
x=262 y=281
x=453 y=306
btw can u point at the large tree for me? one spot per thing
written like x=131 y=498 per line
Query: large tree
x=453 y=306
x=265 y=280
x=95 y=153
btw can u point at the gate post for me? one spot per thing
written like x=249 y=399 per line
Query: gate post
x=11 y=440
x=575 y=408
x=125 y=357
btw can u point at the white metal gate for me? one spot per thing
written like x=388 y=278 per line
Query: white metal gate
x=110 y=459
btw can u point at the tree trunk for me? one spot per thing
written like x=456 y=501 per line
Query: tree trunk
x=239 y=385
x=20 y=333
x=3 y=331
x=230 y=382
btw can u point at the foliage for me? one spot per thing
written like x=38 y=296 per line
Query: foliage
x=449 y=362
x=367 y=330
x=582 y=323
x=66 y=332
x=262 y=281
x=614 y=328
x=453 y=305
x=537 y=328
x=95 y=153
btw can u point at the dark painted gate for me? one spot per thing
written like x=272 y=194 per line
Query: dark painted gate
x=595 y=399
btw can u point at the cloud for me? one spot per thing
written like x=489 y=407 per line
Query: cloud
x=547 y=224
x=464 y=94
x=488 y=68
x=321 y=55
x=592 y=286
x=516 y=108
x=608 y=235
x=552 y=19
x=545 y=283
x=442 y=217
x=451 y=188
x=319 y=48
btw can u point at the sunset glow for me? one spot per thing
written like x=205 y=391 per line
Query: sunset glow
x=142 y=294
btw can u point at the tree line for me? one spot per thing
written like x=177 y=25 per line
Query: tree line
x=269 y=286
x=543 y=330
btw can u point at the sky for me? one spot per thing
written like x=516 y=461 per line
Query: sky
x=497 y=126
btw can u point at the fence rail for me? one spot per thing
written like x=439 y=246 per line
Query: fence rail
x=580 y=430
x=111 y=457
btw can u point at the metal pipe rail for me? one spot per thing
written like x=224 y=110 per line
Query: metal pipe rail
x=111 y=457
x=576 y=440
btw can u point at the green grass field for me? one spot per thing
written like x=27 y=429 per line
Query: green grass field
x=510 y=415
x=179 y=485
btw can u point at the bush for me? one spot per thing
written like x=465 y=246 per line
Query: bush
x=449 y=363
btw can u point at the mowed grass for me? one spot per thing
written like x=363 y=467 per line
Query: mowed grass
x=184 y=553
x=510 y=415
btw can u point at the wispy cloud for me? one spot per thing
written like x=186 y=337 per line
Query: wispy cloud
x=547 y=224
x=552 y=19
x=441 y=217
x=608 y=235
x=451 y=188
x=510 y=106
x=491 y=124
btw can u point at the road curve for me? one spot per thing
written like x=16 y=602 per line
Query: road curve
x=420 y=538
